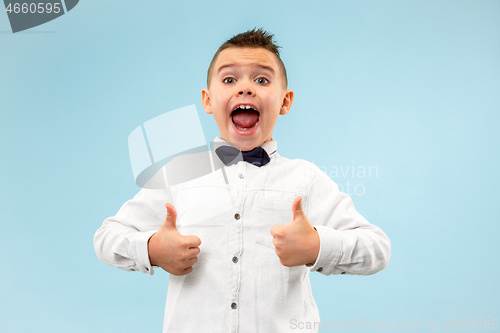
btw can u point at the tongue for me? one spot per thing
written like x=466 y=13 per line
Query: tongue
x=245 y=118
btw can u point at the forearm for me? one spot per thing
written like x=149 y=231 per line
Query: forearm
x=361 y=251
x=122 y=240
x=122 y=246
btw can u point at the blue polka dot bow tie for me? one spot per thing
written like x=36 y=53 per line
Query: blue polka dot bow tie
x=230 y=155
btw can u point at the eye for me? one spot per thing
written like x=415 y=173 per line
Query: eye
x=262 y=80
x=229 y=80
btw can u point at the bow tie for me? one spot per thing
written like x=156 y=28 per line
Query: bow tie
x=229 y=155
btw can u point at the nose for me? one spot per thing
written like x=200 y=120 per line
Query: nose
x=246 y=89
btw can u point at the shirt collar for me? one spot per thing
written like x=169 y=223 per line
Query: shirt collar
x=270 y=146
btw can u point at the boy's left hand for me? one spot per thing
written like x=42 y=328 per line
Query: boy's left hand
x=296 y=243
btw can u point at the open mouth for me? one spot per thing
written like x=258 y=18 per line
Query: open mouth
x=245 y=117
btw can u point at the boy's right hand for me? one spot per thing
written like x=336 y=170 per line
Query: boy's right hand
x=170 y=250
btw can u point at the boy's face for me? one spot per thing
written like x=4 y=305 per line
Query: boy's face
x=249 y=77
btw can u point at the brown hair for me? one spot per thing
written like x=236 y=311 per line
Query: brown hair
x=251 y=38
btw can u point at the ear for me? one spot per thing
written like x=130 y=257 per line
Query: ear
x=205 y=101
x=287 y=102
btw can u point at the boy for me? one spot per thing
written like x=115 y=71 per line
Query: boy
x=240 y=254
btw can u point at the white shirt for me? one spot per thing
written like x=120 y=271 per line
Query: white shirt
x=238 y=283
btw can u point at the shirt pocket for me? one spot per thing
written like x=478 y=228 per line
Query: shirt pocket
x=273 y=204
x=198 y=206
x=271 y=212
x=279 y=201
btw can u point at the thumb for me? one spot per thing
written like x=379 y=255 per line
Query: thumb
x=171 y=216
x=297 y=208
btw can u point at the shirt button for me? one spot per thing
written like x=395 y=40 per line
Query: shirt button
x=320 y=269
x=233 y=305
x=235 y=259
x=237 y=216
x=241 y=176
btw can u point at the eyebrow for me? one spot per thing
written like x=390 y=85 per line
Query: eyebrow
x=233 y=65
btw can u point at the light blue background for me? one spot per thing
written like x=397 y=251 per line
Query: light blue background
x=411 y=87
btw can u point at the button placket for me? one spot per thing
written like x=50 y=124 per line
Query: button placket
x=237 y=240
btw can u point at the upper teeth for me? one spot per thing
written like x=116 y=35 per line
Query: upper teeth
x=244 y=107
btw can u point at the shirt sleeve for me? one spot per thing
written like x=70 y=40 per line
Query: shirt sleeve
x=122 y=240
x=348 y=243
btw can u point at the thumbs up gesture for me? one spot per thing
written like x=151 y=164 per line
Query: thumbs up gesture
x=296 y=243
x=170 y=250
